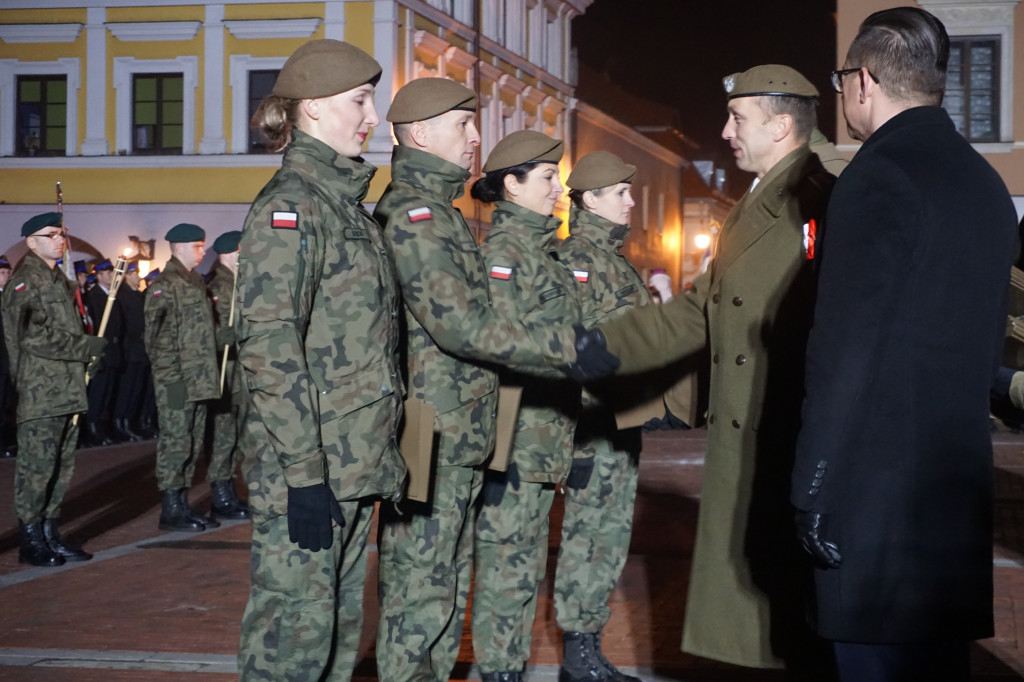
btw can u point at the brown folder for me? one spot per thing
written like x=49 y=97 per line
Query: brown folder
x=508 y=418
x=417 y=447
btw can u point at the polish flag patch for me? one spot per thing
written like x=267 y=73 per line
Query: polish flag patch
x=216 y=299
x=158 y=292
x=284 y=219
x=810 y=235
x=418 y=214
x=501 y=272
x=581 y=275
x=20 y=287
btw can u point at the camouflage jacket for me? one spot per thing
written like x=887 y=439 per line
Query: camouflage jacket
x=528 y=283
x=179 y=332
x=449 y=318
x=318 y=333
x=219 y=288
x=45 y=341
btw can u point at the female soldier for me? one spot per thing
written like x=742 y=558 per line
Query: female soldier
x=527 y=283
x=318 y=340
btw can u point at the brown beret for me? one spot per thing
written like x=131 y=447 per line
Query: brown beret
x=599 y=169
x=322 y=68
x=768 y=79
x=425 y=98
x=524 y=146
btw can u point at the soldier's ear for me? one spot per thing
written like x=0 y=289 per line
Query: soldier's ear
x=419 y=133
x=310 y=107
x=589 y=200
x=511 y=185
x=782 y=127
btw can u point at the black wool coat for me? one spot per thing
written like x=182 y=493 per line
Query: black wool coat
x=895 y=446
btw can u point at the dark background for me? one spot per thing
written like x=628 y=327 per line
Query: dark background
x=677 y=52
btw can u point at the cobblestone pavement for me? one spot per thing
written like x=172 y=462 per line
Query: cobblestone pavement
x=165 y=607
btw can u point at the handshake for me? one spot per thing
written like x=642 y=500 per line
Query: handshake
x=593 y=359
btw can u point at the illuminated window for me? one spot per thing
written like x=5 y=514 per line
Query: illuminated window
x=261 y=83
x=157 y=113
x=972 y=87
x=42 y=108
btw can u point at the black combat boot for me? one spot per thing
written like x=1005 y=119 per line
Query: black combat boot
x=173 y=515
x=207 y=521
x=60 y=545
x=34 y=549
x=584 y=661
x=224 y=501
x=124 y=431
x=514 y=676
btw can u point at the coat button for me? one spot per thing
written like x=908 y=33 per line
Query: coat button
x=740 y=359
x=711 y=419
x=735 y=424
x=716 y=298
x=715 y=359
x=738 y=301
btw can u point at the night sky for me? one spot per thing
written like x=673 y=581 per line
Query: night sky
x=677 y=51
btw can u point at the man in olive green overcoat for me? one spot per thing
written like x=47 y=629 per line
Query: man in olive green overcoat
x=753 y=307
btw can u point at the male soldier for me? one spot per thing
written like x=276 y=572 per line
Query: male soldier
x=131 y=385
x=180 y=343
x=450 y=324
x=228 y=409
x=7 y=447
x=754 y=309
x=102 y=384
x=48 y=351
x=148 y=423
x=601 y=487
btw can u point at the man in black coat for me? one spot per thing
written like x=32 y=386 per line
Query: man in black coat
x=893 y=477
x=104 y=382
x=131 y=384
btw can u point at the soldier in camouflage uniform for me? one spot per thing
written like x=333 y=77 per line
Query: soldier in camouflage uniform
x=48 y=351
x=426 y=549
x=229 y=409
x=598 y=520
x=527 y=282
x=318 y=341
x=179 y=340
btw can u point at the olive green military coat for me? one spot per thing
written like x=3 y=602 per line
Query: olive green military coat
x=745 y=601
x=45 y=342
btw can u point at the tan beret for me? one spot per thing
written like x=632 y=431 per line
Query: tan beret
x=524 y=146
x=599 y=169
x=768 y=79
x=425 y=98
x=322 y=68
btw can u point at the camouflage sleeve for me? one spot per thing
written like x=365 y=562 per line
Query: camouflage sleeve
x=161 y=332
x=655 y=335
x=458 y=315
x=275 y=295
x=38 y=332
x=11 y=320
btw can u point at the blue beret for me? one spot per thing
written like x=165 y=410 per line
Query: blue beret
x=79 y=266
x=102 y=265
x=132 y=267
x=185 y=232
x=33 y=225
x=227 y=242
x=152 y=274
x=4 y=263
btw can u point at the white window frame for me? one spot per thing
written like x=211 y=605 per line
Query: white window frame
x=239 y=66
x=127 y=67
x=10 y=69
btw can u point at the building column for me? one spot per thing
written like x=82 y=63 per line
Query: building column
x=385 y=51
x=213 y=141
x=95 y=143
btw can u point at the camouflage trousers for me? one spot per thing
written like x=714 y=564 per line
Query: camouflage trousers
x=511 y=559
x=180 y=444
x=45 y=465
x=304 y=617
x=426 y=563
x=596 y=531
x=227 y=415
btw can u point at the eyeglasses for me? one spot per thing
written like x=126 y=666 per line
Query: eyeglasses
x=839 y=74
x=52 y=235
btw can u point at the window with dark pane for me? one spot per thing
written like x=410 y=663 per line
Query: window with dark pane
x=41 y=116
x=972 y=87
x=261 y=83
x=158 y=106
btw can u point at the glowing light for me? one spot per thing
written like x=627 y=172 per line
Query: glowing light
x=143 y=268
x=702 y=240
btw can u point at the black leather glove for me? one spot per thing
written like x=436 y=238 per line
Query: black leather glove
x=94 y=366
x=310 y=511
x=580 y=473
x=810 y=529
x=94 y=345
x=226 y=336
x=495 y=483
x=176 y=395
x=593 y=359
x=669 y=421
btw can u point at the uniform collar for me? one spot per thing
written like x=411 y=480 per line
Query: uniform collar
x=531 y=225
x=353 y=174
x=598 y=231
x=422 y=169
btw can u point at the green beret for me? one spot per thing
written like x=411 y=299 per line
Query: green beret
x=33 y=225
x=768 y=79
x=425 y=98
x=321 y=68
x=227 y=242
x=185 y=232
x=524 y=146
x=599 y=169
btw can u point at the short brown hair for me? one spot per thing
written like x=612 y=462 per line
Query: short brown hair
x=803 y=111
